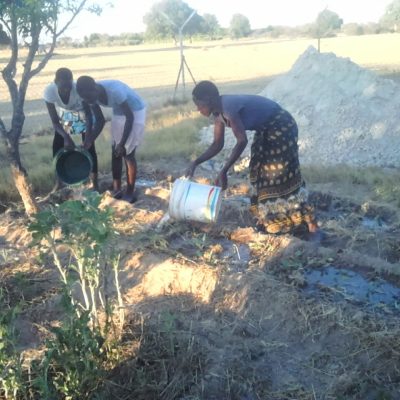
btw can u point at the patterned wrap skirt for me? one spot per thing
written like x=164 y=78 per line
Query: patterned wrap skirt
x=279 y=198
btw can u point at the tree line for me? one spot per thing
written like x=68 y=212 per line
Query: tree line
x=165 y=17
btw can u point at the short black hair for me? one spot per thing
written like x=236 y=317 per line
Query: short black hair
x=205 y=91
x=85 y=83
x=63 y=74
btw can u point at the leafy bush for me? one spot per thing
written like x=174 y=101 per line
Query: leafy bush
x=74 y=361
x=11 y=380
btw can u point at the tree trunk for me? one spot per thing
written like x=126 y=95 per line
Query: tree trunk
x=20 y=177
x=24 y=189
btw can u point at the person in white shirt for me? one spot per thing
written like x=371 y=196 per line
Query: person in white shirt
x=127 y=126
x=70 y=118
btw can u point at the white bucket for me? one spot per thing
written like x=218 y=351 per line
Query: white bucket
x=194 y=201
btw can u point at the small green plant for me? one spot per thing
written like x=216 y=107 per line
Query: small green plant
x=293 y=262
x=76 y=356
x=5 y=255
x=199 y=241
x=74 y=361
x=11 y=379
x=87 y=231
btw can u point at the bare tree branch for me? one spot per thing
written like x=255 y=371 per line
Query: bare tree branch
x=3 y=130
x=3 y=133
x=45 y=59
x=5 y=23
x=56 y=34
x=75 y=13
x=26 y=75
x=11 y=67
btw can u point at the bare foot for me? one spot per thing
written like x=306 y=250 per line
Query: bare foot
x=92 y=187
x=58 y=186
x=313 y=227
x=129 y=197
x=117 y=194
x=316 y=237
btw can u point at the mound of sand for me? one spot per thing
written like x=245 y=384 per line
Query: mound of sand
x=346 y=114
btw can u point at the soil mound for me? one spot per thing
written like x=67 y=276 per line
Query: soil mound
x=346 y=114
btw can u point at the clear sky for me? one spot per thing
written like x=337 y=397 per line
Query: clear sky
x=127 y=15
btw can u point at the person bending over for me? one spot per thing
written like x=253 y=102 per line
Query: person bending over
x=71 y=118
x=127 y=126
x=278 y=195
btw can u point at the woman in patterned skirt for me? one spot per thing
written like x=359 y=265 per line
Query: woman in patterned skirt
x=279 y=197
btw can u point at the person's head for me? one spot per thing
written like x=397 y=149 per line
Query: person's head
x=206 y=97
x=63 y=80
x=87 y=88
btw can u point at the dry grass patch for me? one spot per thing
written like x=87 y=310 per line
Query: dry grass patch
x=375 y=183
x=172 y=133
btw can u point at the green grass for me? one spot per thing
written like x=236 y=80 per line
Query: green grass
x=380 y=184
x=172 y=133
x=179 y=140
x=36 y=157
x=175 y=135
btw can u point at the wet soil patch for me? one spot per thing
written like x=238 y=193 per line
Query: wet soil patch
x=215 y=251
x=367 y=228
x=341 y=283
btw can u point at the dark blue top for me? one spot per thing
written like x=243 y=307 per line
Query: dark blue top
x=253 y=110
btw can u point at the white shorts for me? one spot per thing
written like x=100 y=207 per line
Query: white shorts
x=135 y=137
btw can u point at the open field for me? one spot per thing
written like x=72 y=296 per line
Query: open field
x=237 y=65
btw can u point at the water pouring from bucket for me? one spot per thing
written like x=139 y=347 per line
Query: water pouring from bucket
x=194 y=201
x=73 y=167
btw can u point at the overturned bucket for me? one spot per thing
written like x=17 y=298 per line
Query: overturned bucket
x=73 y=166
x=194 y=201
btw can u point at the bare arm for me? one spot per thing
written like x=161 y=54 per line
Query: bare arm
x=241 y=142
x=216 y=146
x=99 y=121
x=88 y=118
x=55 y=119
x=128 y=122
x=94 y=127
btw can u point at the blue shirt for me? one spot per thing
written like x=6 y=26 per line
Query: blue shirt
x=253 y=110
x=117 y=93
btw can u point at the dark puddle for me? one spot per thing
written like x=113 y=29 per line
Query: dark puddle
x=353 y=287
x=374 y=218
x=238 y=255
x=245 y=200
x=375 y=224
x=145 y=183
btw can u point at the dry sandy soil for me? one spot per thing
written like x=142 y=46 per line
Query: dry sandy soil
x=249 y=316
